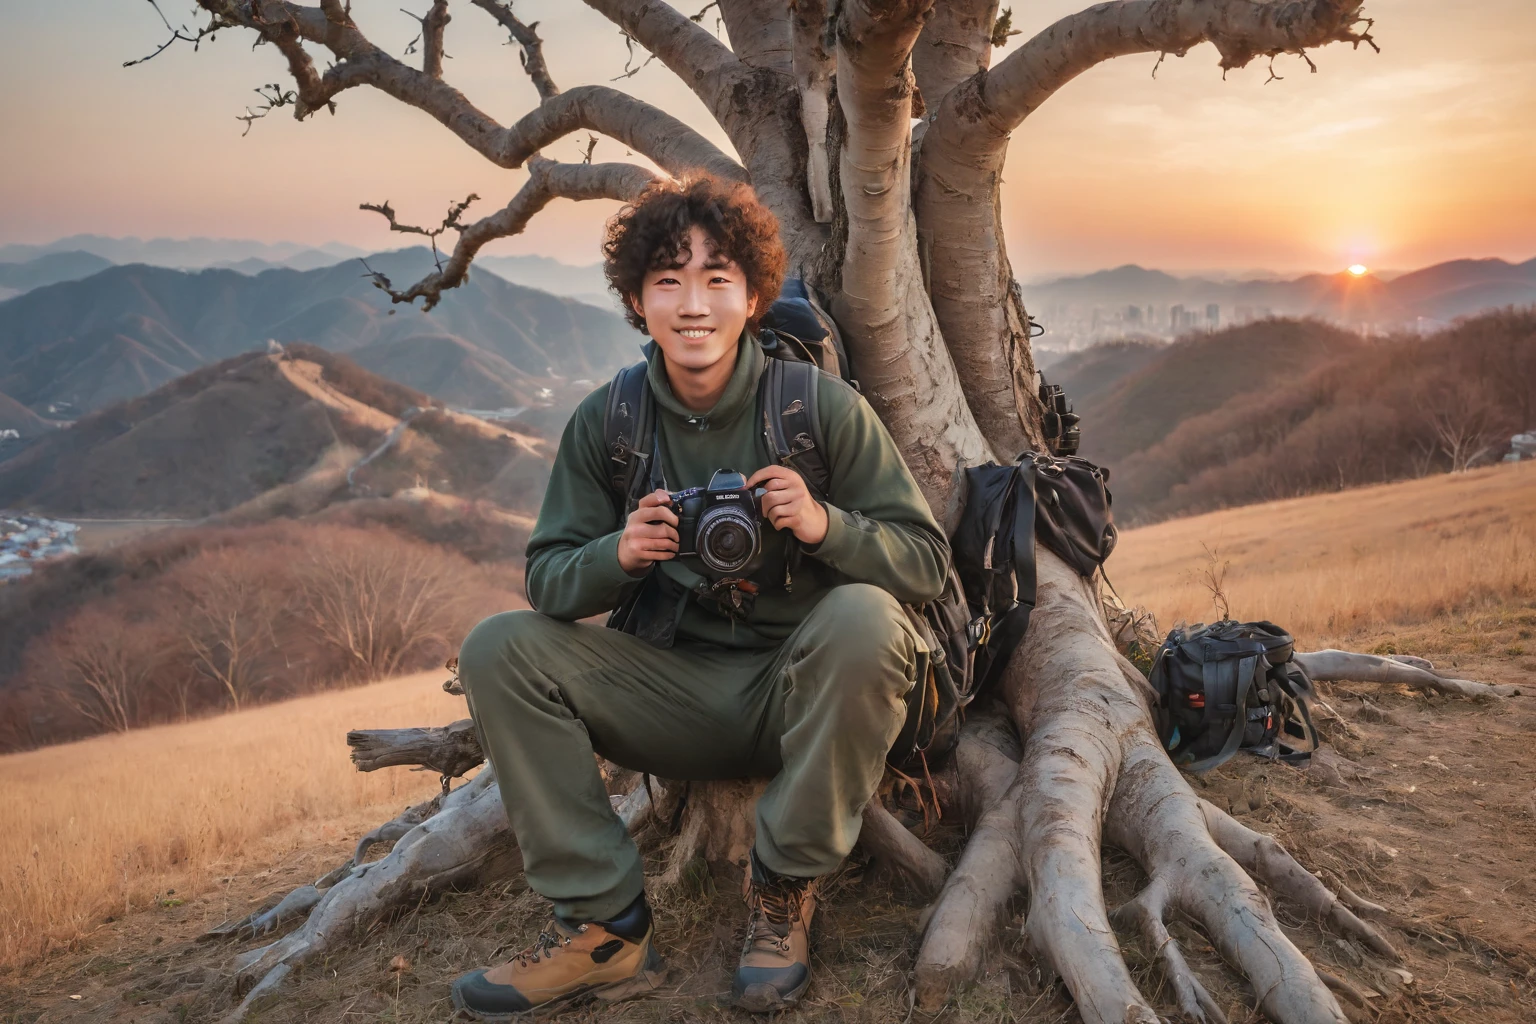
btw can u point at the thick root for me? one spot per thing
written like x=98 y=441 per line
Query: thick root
x=1339 y=666
x=894 y=847
x=1092 y=767
x=467 y=840
x=1270 y=863
x=1147 y=913
x=1157 y=819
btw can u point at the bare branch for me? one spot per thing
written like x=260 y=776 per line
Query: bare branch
x=646 y=129
x=687 y=49
x=643 y=128
x=451 y=220
x=547 y=180
x=526 y=36
x=273 y=96
x=1240 y=29
x=432 y=26
x=179 y=35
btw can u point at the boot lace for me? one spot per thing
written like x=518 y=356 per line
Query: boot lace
x=550 y=941
x=774 y=908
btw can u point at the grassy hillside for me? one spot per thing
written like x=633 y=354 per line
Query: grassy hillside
x=1333 y=568
x=179 y=807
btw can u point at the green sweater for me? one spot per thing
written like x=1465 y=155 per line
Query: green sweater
x=879 y=528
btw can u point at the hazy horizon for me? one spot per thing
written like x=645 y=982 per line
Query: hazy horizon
x=1397 y=160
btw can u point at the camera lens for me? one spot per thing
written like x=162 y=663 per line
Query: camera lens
x=727 y=539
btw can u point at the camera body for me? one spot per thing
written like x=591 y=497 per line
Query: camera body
x=721 y=524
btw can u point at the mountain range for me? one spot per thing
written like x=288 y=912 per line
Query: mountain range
x=1438 y=293
x=80 y=256
x=76 y=346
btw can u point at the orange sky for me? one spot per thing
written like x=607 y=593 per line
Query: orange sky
x=1419 y=154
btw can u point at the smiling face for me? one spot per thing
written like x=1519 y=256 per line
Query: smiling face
x=696 y=310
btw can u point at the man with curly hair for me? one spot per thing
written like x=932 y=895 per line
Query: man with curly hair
x=805 y=684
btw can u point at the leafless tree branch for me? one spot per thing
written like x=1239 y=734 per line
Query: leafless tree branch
x=1240 y=29
x=547 y=180
x=524 y=34
x=687 y=49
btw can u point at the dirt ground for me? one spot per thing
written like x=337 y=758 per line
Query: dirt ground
x=1432 y=814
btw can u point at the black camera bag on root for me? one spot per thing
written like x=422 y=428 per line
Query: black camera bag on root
x=792 y=432
x=1063 y=503
x=1232 y=686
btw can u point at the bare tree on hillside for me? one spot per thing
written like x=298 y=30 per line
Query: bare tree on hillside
x=901 y=226
x=1463 y=424
x=378 y=603
x=231 y=611
x=105 y=667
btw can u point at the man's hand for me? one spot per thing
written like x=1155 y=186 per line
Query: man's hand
x=650 y=534
x=788 y=505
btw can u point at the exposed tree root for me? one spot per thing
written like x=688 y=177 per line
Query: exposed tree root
x=1338 y=666
x=1092 y=766
x=468 y=840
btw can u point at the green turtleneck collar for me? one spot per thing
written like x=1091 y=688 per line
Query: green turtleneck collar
x=740 y=392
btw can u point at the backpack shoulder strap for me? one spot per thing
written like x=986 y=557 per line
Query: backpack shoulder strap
x=628 y=432
x=791 y=424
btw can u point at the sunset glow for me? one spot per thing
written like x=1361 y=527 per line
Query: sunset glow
x=1358 y=269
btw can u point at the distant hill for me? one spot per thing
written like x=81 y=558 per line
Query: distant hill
x=1283 y=408
x=80 y=346
x=1132 y=396
x=1084 y=309
x=176 y=252
x=16 y=278
x=259 y=435
x=17 y=417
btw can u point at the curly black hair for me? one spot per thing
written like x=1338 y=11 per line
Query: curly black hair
x=652 y=233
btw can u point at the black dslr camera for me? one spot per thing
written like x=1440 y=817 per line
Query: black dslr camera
x=721 y=524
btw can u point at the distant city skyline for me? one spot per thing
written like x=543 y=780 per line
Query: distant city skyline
x=1396 y=160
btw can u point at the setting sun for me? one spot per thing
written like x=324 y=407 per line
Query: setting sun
x=1358 y=269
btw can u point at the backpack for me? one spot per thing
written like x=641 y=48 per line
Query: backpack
x=1064 y=503
x=1232 y=686
x=787 y=405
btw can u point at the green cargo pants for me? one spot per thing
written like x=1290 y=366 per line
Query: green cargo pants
x=816 y=714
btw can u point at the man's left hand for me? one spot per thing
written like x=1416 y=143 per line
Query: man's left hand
x=787 y=504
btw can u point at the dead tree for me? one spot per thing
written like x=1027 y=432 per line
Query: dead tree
x=901 y=227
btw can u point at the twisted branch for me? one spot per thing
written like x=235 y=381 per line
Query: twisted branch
x=547 y=180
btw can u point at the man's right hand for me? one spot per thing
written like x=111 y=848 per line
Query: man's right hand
x=650 y=534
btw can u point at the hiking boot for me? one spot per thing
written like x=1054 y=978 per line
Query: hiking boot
x=776 y=957
x=607 y=960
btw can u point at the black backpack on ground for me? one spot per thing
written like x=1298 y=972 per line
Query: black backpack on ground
x=787 y=407
x=1064 y=503
x=1232 y=686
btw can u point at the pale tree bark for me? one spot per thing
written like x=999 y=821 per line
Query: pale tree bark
x=938 y=335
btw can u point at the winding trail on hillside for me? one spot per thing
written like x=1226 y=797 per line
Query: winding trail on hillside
x=384 y=445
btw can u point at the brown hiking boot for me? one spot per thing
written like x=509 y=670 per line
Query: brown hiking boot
x=776 y=957
x=607 y=960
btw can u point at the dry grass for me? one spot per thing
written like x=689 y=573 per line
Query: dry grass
x=112 y=824
x=1338 y=566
